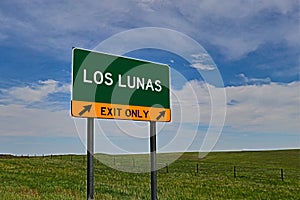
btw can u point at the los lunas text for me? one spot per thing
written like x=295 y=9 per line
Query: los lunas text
x=132 y=82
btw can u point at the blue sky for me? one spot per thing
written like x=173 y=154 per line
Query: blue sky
x=254 y=44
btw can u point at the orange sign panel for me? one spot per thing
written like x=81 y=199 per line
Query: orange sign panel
x=116 y=111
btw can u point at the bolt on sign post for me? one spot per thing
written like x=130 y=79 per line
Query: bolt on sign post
x=115 y=87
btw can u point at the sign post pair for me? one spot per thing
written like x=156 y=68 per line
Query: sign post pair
x=115 y=87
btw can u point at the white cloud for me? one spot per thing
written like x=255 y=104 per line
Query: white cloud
x=271 y=108
x=256 y=81
x=203 y=66
x=239 y=27
x=18 y=120
x=236 y=27
x=267 y=108
x=35 y=92
x=202 y=61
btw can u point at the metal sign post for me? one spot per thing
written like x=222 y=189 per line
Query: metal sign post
x=90 y=158
x=153 y=160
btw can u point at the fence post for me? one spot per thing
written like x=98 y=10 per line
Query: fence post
x=133 y=162
x=167 y=168
x=197 y=168
x=281 y=172
x=234 y=171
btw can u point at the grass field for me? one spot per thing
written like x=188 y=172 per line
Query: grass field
x=258 y=176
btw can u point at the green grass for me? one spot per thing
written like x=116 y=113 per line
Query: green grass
x=258 y=176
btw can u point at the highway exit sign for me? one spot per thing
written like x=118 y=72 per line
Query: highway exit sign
x=115 y=87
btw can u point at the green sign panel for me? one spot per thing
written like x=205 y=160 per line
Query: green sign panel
x=114 y=82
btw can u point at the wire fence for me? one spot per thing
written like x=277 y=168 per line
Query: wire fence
x=138 y=164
